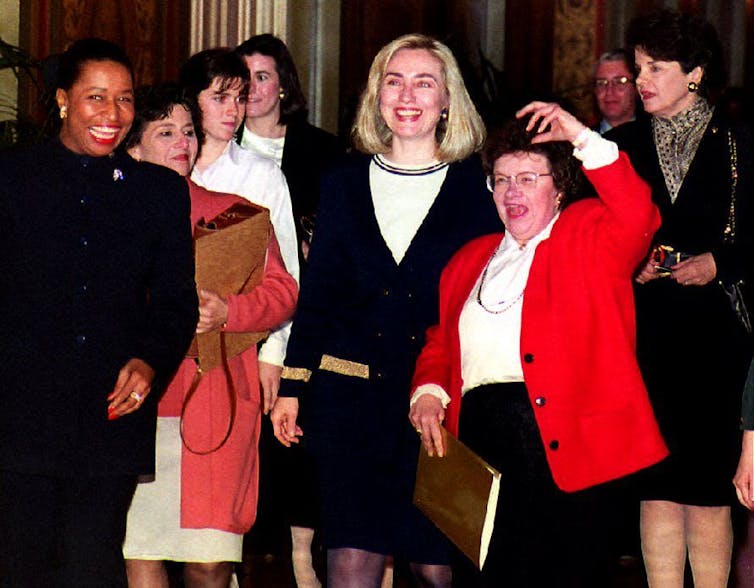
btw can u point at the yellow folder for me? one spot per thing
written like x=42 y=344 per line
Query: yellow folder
x=458 y=493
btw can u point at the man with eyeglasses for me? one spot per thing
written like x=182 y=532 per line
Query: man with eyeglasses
x=614 y=89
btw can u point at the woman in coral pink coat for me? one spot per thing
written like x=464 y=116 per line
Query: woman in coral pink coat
x=203 y=499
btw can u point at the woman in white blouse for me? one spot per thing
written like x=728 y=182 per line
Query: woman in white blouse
x=218 y=80
x=532 y=363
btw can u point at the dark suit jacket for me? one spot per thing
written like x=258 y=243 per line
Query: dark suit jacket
x=692 y=351
x=97 y=269
x=307 y=153
x=358 y=305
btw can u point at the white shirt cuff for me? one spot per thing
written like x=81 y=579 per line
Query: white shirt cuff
x=273 y=349
x=594 y=150
x=432 y=390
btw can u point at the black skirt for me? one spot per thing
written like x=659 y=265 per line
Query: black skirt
x=694 y=357
x=543 y=537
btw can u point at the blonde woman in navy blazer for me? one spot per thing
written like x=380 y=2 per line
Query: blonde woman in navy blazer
x=387 y=223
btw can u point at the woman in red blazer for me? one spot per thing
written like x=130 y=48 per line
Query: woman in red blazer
x=533 y=363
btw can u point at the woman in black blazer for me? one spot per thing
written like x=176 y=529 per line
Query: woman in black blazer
x=692 y=350
x=276 y=127
x=98 y=282
x=387 y=223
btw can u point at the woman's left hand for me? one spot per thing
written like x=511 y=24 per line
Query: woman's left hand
x=697 y=270
x=426 y=415
x=131 y=388
x=213 y=312
x=563 y=126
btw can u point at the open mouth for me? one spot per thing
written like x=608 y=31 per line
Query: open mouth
x=104 y=134
x=408 y=113
x=515 y=210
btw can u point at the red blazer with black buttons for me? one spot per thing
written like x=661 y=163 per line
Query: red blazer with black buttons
x=577 y=335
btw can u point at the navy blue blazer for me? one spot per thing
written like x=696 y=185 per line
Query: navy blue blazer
x=361 y=316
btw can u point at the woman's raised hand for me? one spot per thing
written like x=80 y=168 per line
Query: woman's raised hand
x=552 y=122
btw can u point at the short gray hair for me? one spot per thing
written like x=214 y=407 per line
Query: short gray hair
x=618 y=54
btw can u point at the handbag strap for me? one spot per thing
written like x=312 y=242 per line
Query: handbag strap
x=729 y=233
x=231 y=390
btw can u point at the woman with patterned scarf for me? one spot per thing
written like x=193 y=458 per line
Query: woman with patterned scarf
x=693 y=351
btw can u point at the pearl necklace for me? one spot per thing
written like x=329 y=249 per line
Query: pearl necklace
x=507 y=306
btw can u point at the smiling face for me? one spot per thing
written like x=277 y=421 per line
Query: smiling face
x=616 y=102
x=663 y=85
x=525 y=212
x=222 y=110
x=170 y=142
x=264 y=91
x=99 y=108
x=412 y=96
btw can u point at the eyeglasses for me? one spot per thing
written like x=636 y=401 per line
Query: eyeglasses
x=621 y=83
x=523 y=181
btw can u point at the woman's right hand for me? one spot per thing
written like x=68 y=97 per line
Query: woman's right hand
x=283 y=417
x=552 y=121
x=649 y=272
x=426 y=415
x=743 y=478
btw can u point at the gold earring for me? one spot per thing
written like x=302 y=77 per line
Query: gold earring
x=281 y=94
x=444 y=114
x=63 y=112
x=693 y=87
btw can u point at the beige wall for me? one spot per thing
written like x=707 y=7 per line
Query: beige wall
x=9 y=14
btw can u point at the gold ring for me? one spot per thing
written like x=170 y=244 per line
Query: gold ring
x=136 y=396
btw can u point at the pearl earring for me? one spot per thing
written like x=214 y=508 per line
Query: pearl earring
x=63 y=112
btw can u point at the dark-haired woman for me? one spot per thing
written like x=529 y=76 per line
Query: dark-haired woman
x=693 y=352
x=276 y=127
x=198 y=507
x=98 y=281
x=219 y=81
x=533 y=363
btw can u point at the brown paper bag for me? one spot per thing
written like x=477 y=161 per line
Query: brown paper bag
x=230 y=252
x=458 y=493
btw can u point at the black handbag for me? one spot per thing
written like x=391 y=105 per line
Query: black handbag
x=736 y=291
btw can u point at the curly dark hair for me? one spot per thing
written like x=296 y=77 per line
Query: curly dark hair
x=156 y=102
x=669 y=35
x=293 y=105
x=512 y=137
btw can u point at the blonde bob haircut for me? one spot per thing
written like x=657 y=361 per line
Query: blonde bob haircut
x=458 y=137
